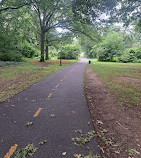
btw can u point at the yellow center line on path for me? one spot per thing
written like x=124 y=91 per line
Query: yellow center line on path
x=57 y=86
x=11 y=151
x=38 y=111
x=50 y=95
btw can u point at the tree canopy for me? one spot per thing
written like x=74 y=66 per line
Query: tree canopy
x=29 y=25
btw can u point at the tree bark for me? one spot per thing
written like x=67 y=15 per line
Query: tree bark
x=47 y=48
x=42 y=45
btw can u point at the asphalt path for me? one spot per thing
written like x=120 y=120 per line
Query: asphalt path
x=57 y=107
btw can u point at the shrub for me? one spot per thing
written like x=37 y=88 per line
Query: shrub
x=127 y=57
x=28 y=51
x=110 y=47
x=6 y=63
x=131 y=55
x=138 y=53
x=69 y=52
x=138 y=61
x=12 y=56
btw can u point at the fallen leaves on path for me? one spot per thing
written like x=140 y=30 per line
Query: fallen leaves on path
x=29 y=123
x=52 y=115
x=64 y=153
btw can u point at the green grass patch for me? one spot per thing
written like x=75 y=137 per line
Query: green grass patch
x=16 y=78
x=122 y=79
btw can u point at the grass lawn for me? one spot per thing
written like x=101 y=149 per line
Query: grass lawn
x=122 y=79
x=15 y=78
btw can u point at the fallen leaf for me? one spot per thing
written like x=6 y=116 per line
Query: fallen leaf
x=64 y=153
x=50 y=95
x=99 y=122
x=78 y=156
x=102 y=149
x=115 y=145
x=29 y=123
x=42 y=143
x=117 y=152
x=52 y=115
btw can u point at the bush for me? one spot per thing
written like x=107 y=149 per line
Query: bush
x=138 y=61
x=6 y=63
x=127 y=57
x=101 y=54
x=138 y=53
x=28 y=51
x=69 y=52
x=110 y=47
x=131 y=55
x=12 y=56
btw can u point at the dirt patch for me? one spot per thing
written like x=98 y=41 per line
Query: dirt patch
x=123 y=124
x=20 y=82
x=9 y=66
x=45 y=64
x=134 y=81
x=58 y=61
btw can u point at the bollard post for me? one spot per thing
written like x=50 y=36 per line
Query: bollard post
x=60 y=62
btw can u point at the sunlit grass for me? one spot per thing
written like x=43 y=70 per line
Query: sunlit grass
x=125 y=92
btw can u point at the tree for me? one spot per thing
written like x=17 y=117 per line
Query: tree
x=54 y=38
x=13 y=5
x=138 y=26
x=110 y=47
x=69 y=52
x=51 y=14
x=67 y=14
x=126 y=11
x=78 y=16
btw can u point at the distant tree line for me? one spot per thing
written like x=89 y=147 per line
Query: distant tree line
x=28 y=28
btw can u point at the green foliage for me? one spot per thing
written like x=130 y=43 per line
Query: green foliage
x=93 y=52
x=12 y=56
x=28 y=50
x=127 y=57
x=29 y=150
x=138 y=61
x=53 y=53
x=69 y=52
x=111 y=46
x=6 y=63
x=137 y=52
x=5 y=42
x=19 y=24
x=138 y=26
x=131 y=55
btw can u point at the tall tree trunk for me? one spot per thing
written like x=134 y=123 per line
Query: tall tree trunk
x=47 y=58
x=42 y=45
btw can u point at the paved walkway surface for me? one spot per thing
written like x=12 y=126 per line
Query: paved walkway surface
x=60 y=94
